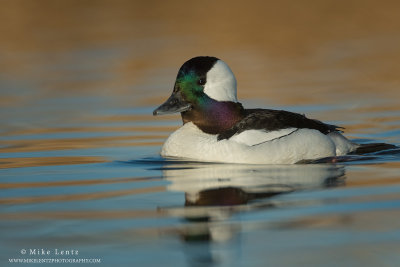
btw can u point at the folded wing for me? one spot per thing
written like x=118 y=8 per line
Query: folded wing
x=269 y=120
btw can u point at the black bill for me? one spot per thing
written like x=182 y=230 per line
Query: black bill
x=175 y=103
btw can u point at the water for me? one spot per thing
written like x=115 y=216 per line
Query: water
x=79 y=164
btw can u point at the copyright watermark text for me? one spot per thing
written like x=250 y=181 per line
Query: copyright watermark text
x=52 y=260
x=48 y=252
x=56 y=255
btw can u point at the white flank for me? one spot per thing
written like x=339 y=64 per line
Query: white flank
x=255 y=137
x=287 y=147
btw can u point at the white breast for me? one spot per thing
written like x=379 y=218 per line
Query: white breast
x=254 y=147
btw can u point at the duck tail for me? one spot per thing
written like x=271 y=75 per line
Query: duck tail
x=372 y=148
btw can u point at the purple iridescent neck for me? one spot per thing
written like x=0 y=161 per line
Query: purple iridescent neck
x=214 y=117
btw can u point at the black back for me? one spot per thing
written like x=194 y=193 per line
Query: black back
x=273 y=120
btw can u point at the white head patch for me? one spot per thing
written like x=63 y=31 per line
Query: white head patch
x=221 y=83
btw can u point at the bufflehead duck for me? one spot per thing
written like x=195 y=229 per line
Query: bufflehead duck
x=216 y=127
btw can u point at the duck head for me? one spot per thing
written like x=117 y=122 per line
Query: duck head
x=199 y=80
x=205 y=94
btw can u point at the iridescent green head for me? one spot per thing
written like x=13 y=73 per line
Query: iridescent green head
x=199 y=80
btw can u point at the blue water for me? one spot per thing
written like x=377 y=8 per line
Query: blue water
x=138 y=208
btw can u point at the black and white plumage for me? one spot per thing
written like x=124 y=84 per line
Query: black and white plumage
x=274 y=120
x=218 y=129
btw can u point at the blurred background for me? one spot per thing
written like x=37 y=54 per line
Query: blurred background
x=66 y=59
x=79 y=148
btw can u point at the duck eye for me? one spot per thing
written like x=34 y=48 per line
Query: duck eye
x=201 y=81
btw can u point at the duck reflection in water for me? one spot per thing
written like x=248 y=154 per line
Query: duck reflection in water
x=214 y=192
x=217 y=194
